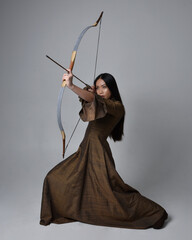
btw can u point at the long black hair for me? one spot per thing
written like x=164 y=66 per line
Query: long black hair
x=117 y=132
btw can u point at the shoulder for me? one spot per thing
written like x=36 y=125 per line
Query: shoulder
x=114 y=107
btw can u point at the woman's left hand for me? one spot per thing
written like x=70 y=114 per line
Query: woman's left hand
x=68 y=78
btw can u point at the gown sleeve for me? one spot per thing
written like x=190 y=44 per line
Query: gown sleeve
x=99 y=108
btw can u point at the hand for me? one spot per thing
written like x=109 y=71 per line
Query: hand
x=68 y=78
x=92 y=89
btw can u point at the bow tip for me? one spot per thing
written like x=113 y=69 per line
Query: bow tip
x=98 y=20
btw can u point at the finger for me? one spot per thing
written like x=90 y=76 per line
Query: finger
x=64 y=77
x=90 y=90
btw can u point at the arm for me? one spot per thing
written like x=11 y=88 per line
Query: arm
x=114 y=108
x=88 y=96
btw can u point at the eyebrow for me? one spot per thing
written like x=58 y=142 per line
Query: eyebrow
x=102 y=85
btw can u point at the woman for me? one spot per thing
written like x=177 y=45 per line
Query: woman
x=86 y=186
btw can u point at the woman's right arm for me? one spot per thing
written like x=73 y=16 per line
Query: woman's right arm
x=88 y=96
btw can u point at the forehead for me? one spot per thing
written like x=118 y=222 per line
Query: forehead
x=100 y=82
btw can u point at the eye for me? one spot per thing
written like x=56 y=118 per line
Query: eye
x=105 y=87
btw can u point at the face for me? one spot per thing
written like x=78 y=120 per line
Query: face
x=102 y=89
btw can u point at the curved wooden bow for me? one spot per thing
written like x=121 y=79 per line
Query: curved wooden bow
x=74 y=53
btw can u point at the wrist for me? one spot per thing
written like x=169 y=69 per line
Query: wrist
x=71 y=86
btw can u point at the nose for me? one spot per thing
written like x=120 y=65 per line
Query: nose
x=100 y=91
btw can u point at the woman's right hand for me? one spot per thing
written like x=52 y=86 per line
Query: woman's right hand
x=92 y=89
x=68 y=78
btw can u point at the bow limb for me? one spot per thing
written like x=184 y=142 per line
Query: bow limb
x=73 y=57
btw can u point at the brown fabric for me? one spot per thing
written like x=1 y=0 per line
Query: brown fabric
x=86 y=186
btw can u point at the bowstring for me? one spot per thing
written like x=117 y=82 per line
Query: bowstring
x=97 y=51
x=94 y=75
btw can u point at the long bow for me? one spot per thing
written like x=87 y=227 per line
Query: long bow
x=74 y=53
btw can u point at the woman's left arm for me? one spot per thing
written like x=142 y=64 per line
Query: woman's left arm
x=88 y=96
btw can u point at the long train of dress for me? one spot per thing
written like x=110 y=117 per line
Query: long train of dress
x=86 y=186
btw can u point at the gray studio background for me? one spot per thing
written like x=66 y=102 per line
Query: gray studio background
x=146 y=45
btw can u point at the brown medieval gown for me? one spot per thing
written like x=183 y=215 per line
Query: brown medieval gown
x=86 y=186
